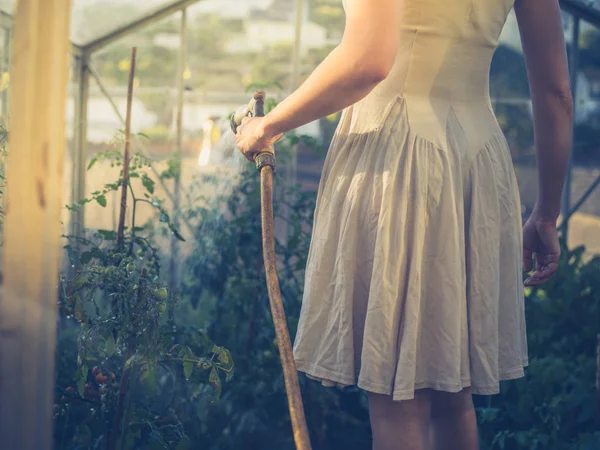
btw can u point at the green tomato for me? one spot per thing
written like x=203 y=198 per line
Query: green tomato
x=161 y=293
x=130 y=267
x=268 y=353
x=161 y=307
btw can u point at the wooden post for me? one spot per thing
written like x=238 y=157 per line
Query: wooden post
x=31 y=253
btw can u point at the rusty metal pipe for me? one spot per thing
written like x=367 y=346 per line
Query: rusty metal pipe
x=265 y=163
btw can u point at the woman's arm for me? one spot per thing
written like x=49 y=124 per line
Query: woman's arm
x=363 y=59
x=542 y=35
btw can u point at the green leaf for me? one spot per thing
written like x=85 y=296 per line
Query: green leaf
x=148 y=183
x=81 y=385
x=229 y=375
x=110 y=346
x=187 y=369
x=101 y=199
x=149 y=377
x=176 y=233
x=130 y=441
x=86 y=257
x=185 y=445
x=78 y=282
x=215 y=381
x=92 y=162
x=108 y=235
x=113 y=186
x=224 y=356
x=79 y=313
x=129 y=362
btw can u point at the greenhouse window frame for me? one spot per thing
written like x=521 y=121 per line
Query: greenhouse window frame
x=82 y=54
x=82 y=64
x=159 y=14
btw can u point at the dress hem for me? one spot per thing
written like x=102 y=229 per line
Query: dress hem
x=331 y=378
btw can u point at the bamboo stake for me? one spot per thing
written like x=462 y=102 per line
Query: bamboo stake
x=32 y=226
x=125 y=183
x=141 y=147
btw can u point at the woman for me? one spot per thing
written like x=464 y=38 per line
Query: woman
x=413 y=285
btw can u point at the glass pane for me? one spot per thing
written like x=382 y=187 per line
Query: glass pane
x=95 y=18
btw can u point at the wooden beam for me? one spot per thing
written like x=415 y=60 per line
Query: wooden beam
x=28 y=294
x=149 y=19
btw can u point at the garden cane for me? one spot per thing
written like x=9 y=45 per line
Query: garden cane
x=265 y=163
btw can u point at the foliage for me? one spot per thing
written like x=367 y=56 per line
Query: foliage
x=225 y=280
x=553 y=406
x=128 y=374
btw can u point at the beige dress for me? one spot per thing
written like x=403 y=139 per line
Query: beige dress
x=414 y=275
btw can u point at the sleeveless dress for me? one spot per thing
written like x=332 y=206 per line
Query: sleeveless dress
x=414 y=274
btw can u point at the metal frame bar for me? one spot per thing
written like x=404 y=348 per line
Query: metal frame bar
x=592 y=187
x=153 y=17
x=586 y=13
x=80 y=143
x=182 y=64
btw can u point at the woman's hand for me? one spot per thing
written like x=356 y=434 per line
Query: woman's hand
x=540 y=238
x=252 y=137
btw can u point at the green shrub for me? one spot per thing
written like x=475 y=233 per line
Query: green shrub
x=225 y=279
x=553 y=406
x=128 y=376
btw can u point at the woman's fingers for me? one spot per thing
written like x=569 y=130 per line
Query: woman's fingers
x=546 y=267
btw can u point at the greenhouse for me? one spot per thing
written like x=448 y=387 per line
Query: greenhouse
x=134 y=312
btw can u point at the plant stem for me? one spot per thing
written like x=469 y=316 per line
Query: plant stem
x=123 y=388
x=128 y=409
x=121 y=229
x=135 y=200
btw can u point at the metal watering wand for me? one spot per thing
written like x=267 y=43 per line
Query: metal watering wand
x=265 y=163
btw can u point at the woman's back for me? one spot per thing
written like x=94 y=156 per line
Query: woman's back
x=442 y=72
x=413 y=278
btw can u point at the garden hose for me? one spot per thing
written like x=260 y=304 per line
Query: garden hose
x=265 y=163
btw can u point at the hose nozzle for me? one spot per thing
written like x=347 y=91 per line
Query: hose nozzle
x=255 y=108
